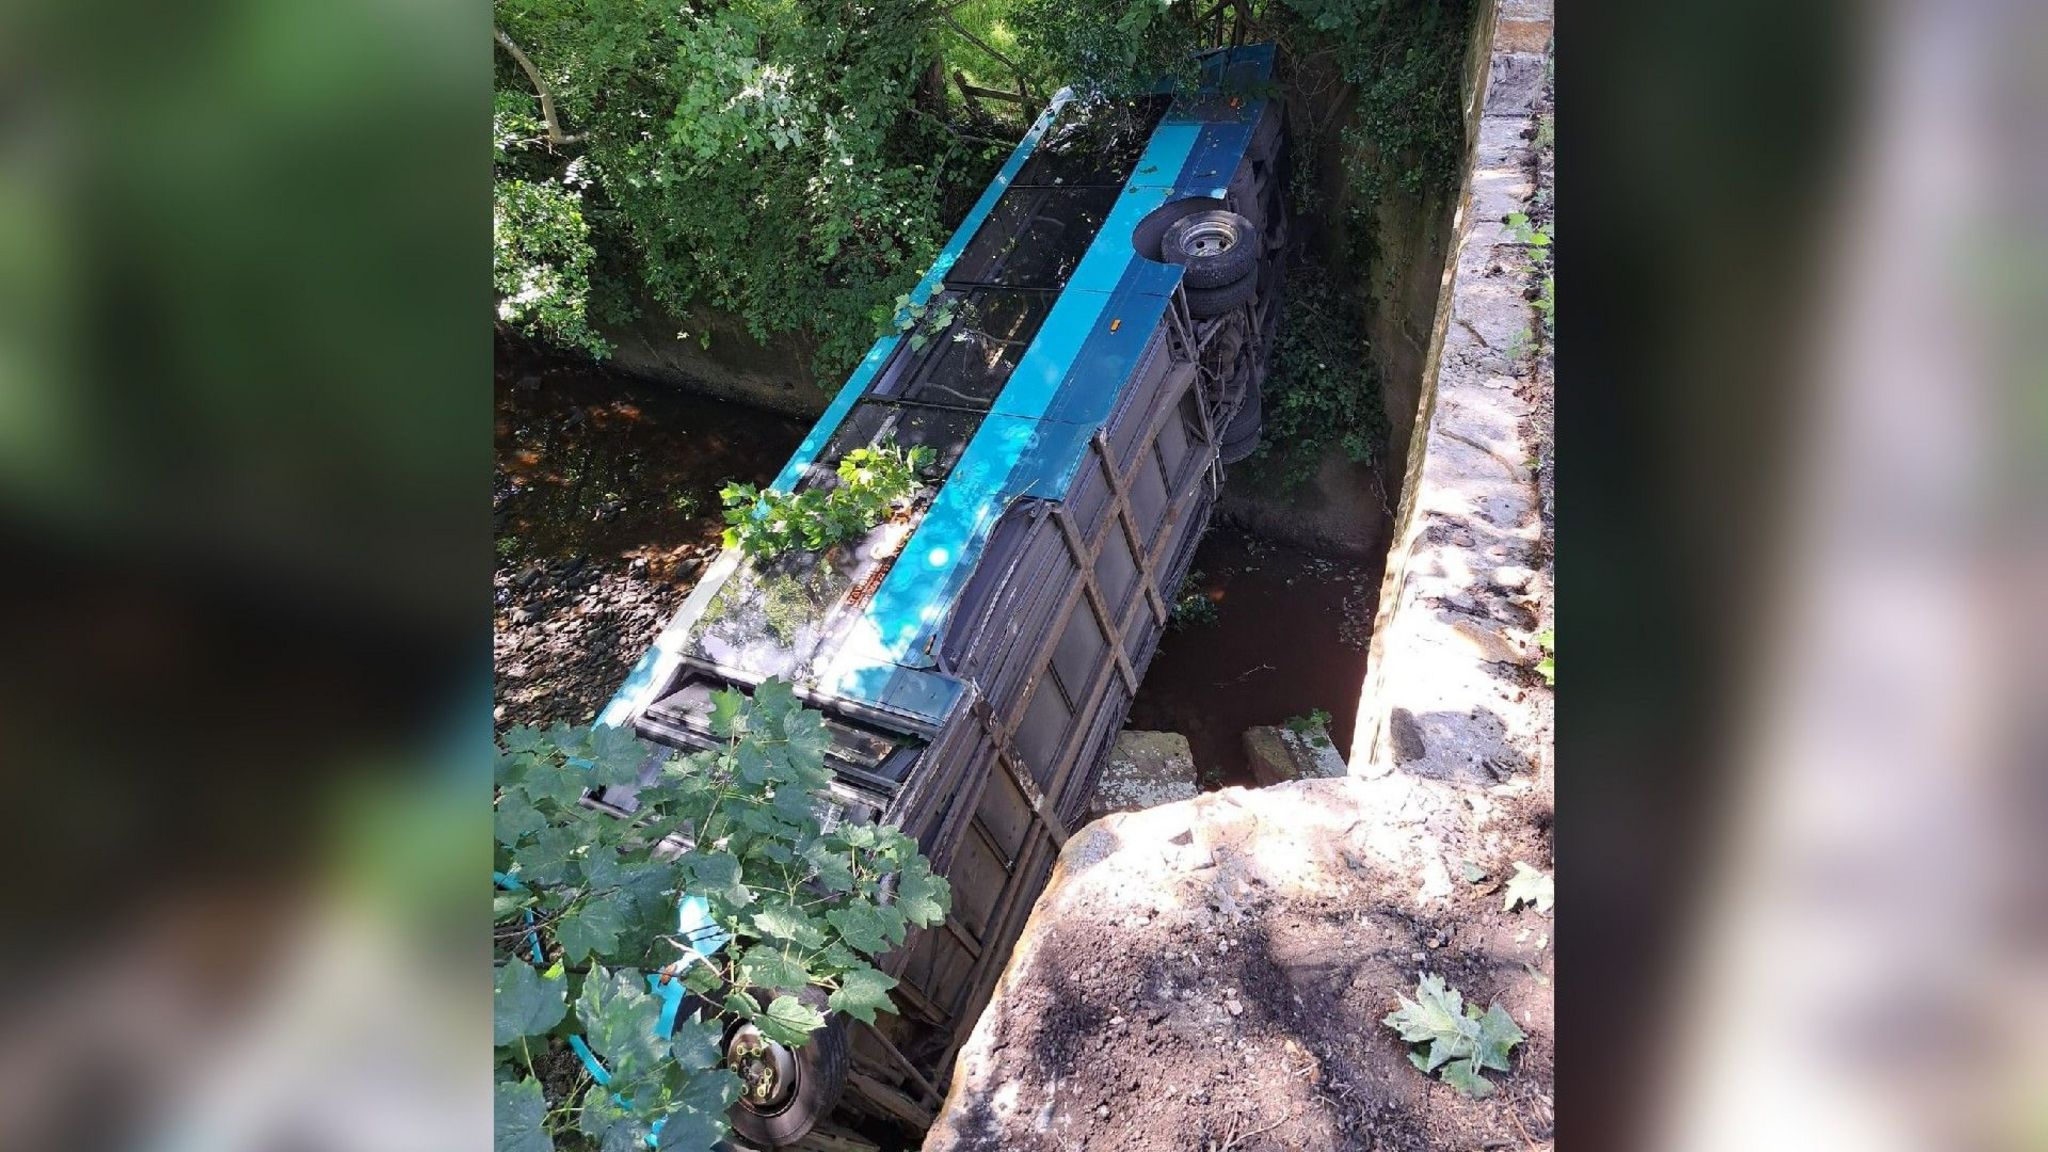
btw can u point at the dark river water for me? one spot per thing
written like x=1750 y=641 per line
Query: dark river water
x=601 y=473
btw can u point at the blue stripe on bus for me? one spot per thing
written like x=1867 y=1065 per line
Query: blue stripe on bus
x=1002 y=462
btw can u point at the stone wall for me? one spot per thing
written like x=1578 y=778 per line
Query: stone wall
x=734 y=365
x=1411 y=237
x=1449 y=691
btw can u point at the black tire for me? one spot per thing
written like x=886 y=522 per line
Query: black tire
x=1241 y=436
x=1150 y=234
x=1206 y=302
x=1217 y=247
x=821 y=1067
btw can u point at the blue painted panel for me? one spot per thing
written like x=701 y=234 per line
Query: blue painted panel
x=914 y=598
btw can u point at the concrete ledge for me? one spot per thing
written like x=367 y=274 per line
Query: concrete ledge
x=1450 y=690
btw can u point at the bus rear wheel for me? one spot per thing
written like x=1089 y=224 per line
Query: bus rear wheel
x=1217 y=247
x=785 y=1091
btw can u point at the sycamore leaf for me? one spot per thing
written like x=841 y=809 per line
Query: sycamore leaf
x=718 y=874
x=618 y=1017
x=1460 y=1038
x=606 y=1121
x=765 y=965
x=807 y=738
x=525 y=1003
x=616 y=756
x=696 y=1042
x=861 y=993
x=1497 y=1033
x=1435 y=1012
x=546 y=860
x=592 y=927
x=1528 y=886
x=527 y=739
x=922 y=897
x=711 y=1090
x=775 y=697
x=1462 y=1075
x=725 y=712
x=515 y=819
x=510 y=768
x=866 y=926
x=548 y=781
x=787 y=922
x=517 y=1113
x=789 y=1020
x=834 y=874
x=691 y=1130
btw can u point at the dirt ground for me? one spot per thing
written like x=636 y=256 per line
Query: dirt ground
x=1212 y=975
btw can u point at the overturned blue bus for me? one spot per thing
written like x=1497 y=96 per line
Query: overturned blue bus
x=1082 y=360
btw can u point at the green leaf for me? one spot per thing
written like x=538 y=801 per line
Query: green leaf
x=834 y=874
x=1435 y=1012
x=1497 y=1033
x=788 y=1020
x=766 y=966
x=1461 y=1039
x=922 y=897
x=688 y=1130
x=717 y=874
x=1465 y=1077
x=606 y=1121
x=862 y=925
x=555 y=782
x=510 y=769
x=518 y=1111
x=616 y=756
x=696 y=1043
x=515 y=819
x=591 y=928
x=861 y=993
x=776 y=698
x=786 y=922
x=524 y=1003
x=546 y=860
x=726 y=707
x=527 y=739
x=754 y=765
x=807 y=738
x=1528 y=886
x=619 y=1017
x=710 y=1091
x=793 y=805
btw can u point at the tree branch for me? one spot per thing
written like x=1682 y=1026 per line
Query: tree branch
x=547 y=100
x=1023 y=89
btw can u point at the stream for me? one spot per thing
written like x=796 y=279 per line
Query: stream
x=605 y=498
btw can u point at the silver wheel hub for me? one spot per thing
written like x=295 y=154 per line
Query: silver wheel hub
x=1209 y=239
x=767 y=1070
